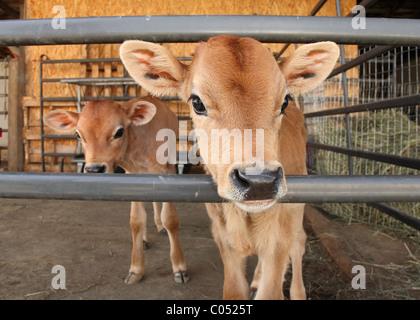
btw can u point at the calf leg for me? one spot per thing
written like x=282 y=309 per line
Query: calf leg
x=137 y=223
x=297 y=289
x=273 y=268
x=157 y=209
x=235 y=286
x=255 y=281
x=170 y=222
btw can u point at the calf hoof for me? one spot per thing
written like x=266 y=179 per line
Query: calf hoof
x=133 y=278
x=181 y=277
x=252 y=293
x=146 y=245
x=164 y=232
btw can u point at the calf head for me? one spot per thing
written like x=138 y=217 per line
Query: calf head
x=102 y=127
x=235 y=89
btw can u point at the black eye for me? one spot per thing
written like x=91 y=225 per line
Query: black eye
x=198 y=105
x=285 y=103
x=119 y=133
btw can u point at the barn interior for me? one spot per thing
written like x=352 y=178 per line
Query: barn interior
x=37 y=79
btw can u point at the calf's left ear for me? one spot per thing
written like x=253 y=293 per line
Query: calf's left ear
x=141 y=112
x=153 y=67
x=62 y=121
x=309 y=65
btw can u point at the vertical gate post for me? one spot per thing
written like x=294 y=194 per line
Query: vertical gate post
x=15 y=115
x=346 y=96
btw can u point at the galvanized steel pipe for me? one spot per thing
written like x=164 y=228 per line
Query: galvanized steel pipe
x=201 y=188
x=270 y=29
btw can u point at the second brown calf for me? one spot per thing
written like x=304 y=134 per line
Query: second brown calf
x=124 y=135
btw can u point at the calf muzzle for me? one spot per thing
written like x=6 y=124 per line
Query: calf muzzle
x=262 y=186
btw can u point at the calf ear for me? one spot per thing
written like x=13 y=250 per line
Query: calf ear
x=141 y=112
x=153 y=67
x=309 y=65
x=62 y=121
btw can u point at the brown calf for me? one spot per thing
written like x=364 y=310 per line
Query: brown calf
x=124 y=135
x=235 y=83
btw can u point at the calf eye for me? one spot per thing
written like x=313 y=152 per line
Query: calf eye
x=285 y=102
x=198 y=105
x=119 y=133
x=78 y=135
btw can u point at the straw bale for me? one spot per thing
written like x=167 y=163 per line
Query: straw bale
x=86 y=8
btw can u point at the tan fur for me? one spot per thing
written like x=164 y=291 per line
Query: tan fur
x=135 y=151
x=242 y=87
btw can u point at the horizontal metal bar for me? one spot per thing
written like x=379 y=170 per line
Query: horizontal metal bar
x=58 y=136
x=102 y=83
x=64 y=136
x=80 y=60
x=360 y=59
x=377 y=105
x=402 y=216
x=58 y=154
x=201 y=188
x=270 y=29
x=382 y=157
x=314 y=11
x=75 y=80
x=327 y=99
x=96 y=60
x=125 y=98
x=184 y=118
x=121 y=80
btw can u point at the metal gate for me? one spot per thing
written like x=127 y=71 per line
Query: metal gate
x=358 y=186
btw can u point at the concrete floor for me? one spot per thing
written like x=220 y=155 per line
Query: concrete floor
x=92 y=241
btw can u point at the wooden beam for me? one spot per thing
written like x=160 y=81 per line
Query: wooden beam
x=10 y=12
x=15 y=116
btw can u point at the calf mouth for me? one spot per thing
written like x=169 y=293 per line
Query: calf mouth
x=255 y=206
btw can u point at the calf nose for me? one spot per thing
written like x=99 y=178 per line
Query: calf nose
x=260 y=186
x=95 y=169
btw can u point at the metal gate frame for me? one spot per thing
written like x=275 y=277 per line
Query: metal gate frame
x=268 y=29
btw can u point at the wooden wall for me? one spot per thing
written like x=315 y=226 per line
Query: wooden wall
x=84 y=8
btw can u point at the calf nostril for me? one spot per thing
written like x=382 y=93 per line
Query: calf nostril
x=278 y=174
x=240 y=180
x=101 y=169
x=95 y=169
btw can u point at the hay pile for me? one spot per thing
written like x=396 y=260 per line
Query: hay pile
x=385 y=131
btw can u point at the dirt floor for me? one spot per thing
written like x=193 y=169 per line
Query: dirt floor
x=92 y=241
